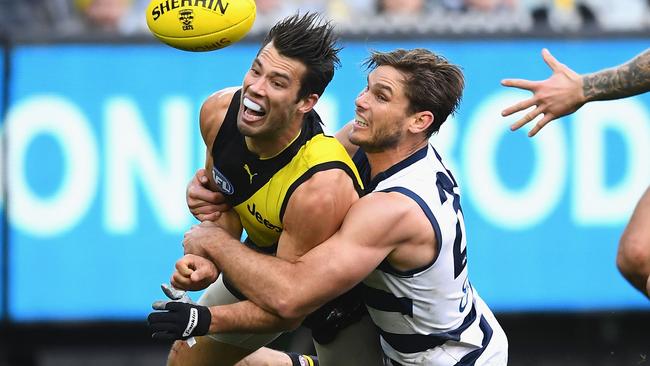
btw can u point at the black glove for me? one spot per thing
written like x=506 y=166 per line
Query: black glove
x=178 y=320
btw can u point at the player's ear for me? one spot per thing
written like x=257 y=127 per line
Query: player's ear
x=421 y=121
x=307 y=103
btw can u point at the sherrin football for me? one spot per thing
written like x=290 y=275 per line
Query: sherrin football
x=200 y=25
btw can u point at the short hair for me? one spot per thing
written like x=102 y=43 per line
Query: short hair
x=312 y=41
x=431 y=82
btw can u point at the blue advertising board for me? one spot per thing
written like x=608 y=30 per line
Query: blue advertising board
x=103 y=139
x=2 y=175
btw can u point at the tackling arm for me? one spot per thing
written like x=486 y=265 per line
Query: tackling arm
x=294 y=289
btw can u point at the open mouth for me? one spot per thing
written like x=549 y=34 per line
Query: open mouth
x=360 y=123
x=253 y=110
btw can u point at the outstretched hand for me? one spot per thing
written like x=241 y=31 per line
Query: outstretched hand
x=557 y=96
x=193 y=273
x=204 y=204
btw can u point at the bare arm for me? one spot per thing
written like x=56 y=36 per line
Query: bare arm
x=294 y=289
x=629 y=79
x=343 y=137
x=315 y=212
x=633 y=258
x=247 y=317
x=566 y=91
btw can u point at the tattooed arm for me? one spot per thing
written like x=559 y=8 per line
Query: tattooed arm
x=566 y=91
x=629 y=79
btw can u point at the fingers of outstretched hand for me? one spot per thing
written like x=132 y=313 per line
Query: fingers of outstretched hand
x=520 y=83
x=539 y=125
x=520 y=106
x=526 y=118
x=551 y=61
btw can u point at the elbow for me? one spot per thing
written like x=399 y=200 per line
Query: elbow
x=291 y=306
x=290 y=314
x=633 y=258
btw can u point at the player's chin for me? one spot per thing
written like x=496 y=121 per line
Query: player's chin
x=251 y=128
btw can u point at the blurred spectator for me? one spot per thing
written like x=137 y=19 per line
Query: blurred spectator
x=120 y=16
x=628 y=15
x=351 y=10
x=270 y=12
x=561 y=15
x=490 y=5
x=480 y=5
x=35 y=15
x=402 y=7
x=70 y=17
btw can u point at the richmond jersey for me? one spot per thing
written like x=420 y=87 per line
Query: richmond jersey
x=259 y=189
x=431 y=315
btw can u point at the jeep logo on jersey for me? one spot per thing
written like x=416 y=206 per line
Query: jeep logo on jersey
x=223 y=185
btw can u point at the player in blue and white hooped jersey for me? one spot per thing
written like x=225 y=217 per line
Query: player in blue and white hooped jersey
x=431 y=314
x=404 y=239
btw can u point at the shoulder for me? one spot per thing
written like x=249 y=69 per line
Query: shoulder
x=322 y=148
x=379 y=202
x=324 y=189
x=213 y=112
x=385 y=217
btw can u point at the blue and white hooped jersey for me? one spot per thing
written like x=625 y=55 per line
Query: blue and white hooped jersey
x=431 y=315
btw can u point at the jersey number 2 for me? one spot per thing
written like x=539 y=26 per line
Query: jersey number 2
x=446 y=186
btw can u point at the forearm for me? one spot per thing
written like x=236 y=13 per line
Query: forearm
x=629 y=79
x=246 y=317
x=265 y=280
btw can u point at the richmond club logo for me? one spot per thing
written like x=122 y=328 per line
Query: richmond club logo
x=186 y=16
x=223 y=185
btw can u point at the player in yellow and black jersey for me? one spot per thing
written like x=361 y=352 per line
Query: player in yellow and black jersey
x=289 y=187
x=258 y=188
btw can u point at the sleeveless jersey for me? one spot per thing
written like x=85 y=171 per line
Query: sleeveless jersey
x=259 y=189
x=430 y=315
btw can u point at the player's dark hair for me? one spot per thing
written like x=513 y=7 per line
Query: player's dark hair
x=312 y=41
x=431 y=82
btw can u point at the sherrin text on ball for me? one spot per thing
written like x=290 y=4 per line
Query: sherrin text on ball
x=200 y=25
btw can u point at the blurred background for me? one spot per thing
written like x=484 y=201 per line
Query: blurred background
x=100 y=135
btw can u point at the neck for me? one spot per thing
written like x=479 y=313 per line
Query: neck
x=269 y=146
x=382 y=160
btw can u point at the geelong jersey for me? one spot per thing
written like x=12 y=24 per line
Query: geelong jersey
x=431 y=315
x=259 y=189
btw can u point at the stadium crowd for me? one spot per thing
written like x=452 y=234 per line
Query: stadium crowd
x=125 y=17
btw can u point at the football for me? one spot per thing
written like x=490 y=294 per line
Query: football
x=200 y=25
